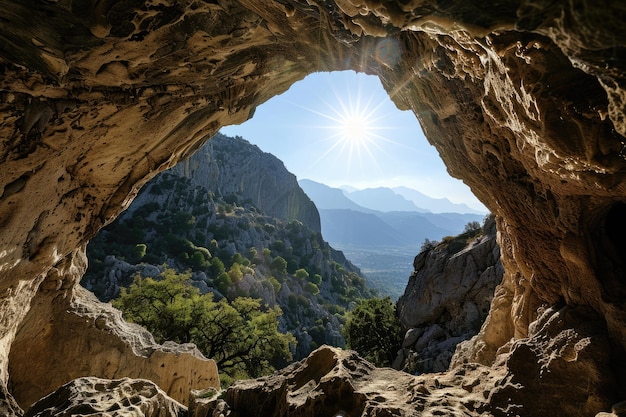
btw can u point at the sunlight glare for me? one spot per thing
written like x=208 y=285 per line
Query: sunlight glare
x=355 y=124
x=355 y=127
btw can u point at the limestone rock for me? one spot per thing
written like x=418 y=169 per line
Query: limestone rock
x=523 y=100
x=334 y=382
x=107 y=398
x=558 y=356
x=254 y=175
x=448 y=297
x=525 y=381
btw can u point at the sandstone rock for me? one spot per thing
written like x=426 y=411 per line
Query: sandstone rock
x=107 y=398
x=523 y=100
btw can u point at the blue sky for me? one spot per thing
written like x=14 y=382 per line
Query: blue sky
x=341 y=128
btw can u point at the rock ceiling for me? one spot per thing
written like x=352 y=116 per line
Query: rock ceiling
x=524 y=101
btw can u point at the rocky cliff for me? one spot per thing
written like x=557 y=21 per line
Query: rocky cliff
x=523 y=100
x=231 y=166
x=448 y=297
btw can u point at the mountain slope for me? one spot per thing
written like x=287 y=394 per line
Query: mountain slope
x=326 y=197
x=233 y=249
x=231 y=166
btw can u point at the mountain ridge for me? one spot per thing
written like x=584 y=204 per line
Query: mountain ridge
x=194 y=218
x=410 y=227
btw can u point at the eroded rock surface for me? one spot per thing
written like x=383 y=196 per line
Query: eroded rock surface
x=525 y=102
x=108 y=398
x=334 y=382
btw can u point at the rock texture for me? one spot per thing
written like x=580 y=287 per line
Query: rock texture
x=108 y=398
x=332 y=382
x=525 y=102
x=251 y=174
x=447 y=298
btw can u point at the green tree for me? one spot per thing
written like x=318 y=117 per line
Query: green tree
x=139 y=251
x=235 y=273
x=279 y=266
x=217 y=266
x=472 y=227
x=301 y=274
x=312 y=288
x=373 y=330
x=199 y=261
x=316 y=279
x=242 y=336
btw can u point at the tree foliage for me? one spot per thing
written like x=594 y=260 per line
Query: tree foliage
x=241 y=336
x=373 y=329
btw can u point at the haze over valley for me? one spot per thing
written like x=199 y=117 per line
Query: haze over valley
x=382 y=229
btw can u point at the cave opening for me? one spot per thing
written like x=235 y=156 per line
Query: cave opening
x=311 y=129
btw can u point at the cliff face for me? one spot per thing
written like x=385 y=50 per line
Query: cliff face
x=448 y=297
x=525 y=102
x=223 y=167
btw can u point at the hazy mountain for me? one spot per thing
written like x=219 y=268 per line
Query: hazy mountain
x=349 y=227
x=348 y=188
x=416 y=227
x=435 y=205
x=326 y=197
x=381 y=199
x=382 y=243
x=343 y=223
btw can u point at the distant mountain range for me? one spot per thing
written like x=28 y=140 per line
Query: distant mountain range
x=434 y=205
x=377 y=217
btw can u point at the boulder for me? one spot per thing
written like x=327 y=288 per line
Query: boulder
x=68 y=334
x=107 y=398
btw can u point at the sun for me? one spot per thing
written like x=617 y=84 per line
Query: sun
x=355 y=127
x=353 y=136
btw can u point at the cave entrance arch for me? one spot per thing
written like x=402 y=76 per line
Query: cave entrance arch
x=525 y=106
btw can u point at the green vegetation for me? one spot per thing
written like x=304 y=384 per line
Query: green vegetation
x=241 y=336
x=454 y=244
x=373 y=330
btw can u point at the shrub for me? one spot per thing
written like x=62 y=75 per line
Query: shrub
x=312 y=288
x=373 y=330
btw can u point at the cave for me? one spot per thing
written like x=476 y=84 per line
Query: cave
x=524 y=101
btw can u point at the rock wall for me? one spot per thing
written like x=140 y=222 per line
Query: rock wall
x=447 y=298
x=251 y=174
x=523 y=100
